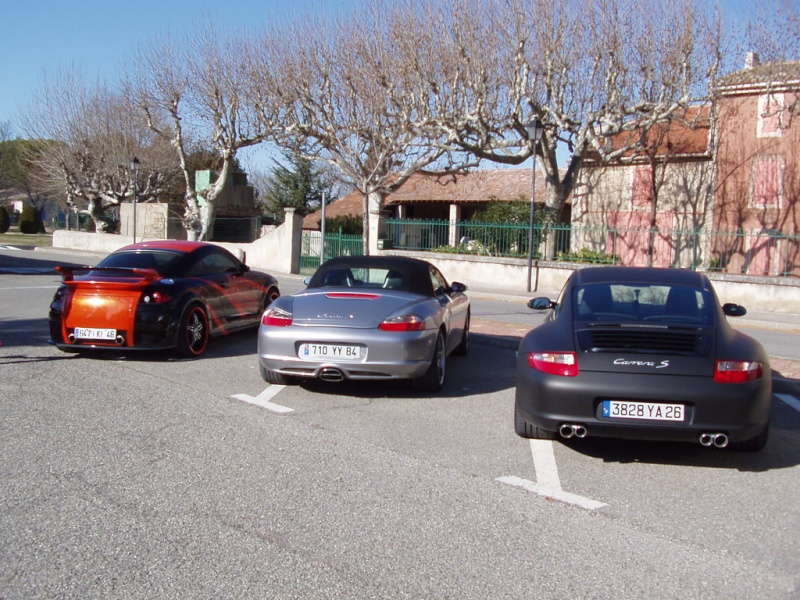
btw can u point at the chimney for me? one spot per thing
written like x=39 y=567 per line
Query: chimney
x=751 y=60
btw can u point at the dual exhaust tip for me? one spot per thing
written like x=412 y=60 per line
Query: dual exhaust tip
x=718 y=440
x=568 y=430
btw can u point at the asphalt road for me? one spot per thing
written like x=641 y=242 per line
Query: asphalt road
x=147 y=476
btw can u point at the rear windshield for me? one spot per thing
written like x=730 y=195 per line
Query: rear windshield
x=364 y=277
x=150 y=259
x=652 y=303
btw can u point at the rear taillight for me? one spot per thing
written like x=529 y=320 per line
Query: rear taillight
x=403 y=323
x=554 y=363
x=737 y=371
x=156 y=298
x=275 y=317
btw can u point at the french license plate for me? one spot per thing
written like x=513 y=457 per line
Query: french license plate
x=329 y=352
x=650 y=411
x=89 y=333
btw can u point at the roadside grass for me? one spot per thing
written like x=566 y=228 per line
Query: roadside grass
x=15 y=238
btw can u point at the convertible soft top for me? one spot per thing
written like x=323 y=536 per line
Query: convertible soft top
x=414 y=273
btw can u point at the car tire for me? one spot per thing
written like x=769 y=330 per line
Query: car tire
x=529 y=431
x=272 y=295
x=193 y=332
x=463 y=346
x=754 y=444
x=433 y=379
x=273 y=377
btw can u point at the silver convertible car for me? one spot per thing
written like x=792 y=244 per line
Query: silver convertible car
x=366 y=318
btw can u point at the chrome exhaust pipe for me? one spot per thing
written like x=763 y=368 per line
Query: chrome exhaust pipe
x=71 y=338
x=566 y=431
x=330 y=374
x=718 y=440
x=120 y=340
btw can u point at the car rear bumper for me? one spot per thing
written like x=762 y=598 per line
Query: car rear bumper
x=740 y=411
x=388 y=355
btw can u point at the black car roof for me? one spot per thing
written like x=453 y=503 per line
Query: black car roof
x=415 y=271
x=641 y=275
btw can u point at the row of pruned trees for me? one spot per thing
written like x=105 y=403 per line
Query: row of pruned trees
x=383 y=92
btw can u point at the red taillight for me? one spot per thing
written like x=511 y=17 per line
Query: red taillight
x=156 y=298
x=737 y=371
x=403 y=323
x=554 y=363
x=275 y=317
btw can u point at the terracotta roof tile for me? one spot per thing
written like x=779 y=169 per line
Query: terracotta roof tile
x=778 y=75
x=461 y=188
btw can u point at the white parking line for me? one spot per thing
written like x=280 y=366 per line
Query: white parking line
x=263 y=399
x=547 y=482
x=790 y=400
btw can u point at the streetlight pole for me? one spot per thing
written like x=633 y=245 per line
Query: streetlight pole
x=135 y=172
x=534 y=129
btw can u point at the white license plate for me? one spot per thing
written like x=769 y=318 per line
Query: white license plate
x=88 y=333
x=329 y=352
x=650 y=411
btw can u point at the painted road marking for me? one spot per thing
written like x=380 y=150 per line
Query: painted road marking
x=547 y=482
x=263 y=399
x=790 y=400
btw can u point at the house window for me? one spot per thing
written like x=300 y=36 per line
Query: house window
x=766 y=189
x=642 y=193
x=770 y=115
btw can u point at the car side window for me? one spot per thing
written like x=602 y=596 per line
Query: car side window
x=219 y=263
x=438 y=282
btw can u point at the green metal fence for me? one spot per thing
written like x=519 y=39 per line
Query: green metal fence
x=336 y=244
x=763 y=253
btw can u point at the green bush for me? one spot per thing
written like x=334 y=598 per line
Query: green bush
x=5 y=219
x=586 y=255
x=29 y=221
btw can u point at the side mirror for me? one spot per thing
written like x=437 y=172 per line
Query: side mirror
x=734 y=310
x=306 y=281
x=458 y=287
x=541 y=303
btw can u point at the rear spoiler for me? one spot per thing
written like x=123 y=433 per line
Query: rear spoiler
x=68 y=273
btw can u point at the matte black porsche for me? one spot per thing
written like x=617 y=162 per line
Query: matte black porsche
x=642 y=353
x=158 y=295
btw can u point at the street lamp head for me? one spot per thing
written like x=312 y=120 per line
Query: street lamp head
x=134 y=165
x=535 y=130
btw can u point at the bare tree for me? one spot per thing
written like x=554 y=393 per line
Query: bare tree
x=588 y=70
x=89 y=135
x=200 y=90
x=349 y=93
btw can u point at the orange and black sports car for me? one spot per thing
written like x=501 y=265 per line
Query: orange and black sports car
x=158 y=295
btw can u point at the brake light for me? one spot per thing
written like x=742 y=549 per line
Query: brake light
x=156 y=298
x=554 y=363
x=403 y=323
x=737 y=371
x=275 y=317
x=352 y=296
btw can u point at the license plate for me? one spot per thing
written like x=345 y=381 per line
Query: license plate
x=650 y=411
x=329 y=352
x=88 y=333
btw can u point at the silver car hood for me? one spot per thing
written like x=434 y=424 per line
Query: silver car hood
x=344 y=307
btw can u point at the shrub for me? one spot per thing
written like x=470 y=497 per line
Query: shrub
x=29 y=221
x=5 y=219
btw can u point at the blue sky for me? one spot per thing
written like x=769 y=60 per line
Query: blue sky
x=96 y=37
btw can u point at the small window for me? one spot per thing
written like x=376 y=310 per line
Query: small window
x=766 y=186
x=770 y=115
